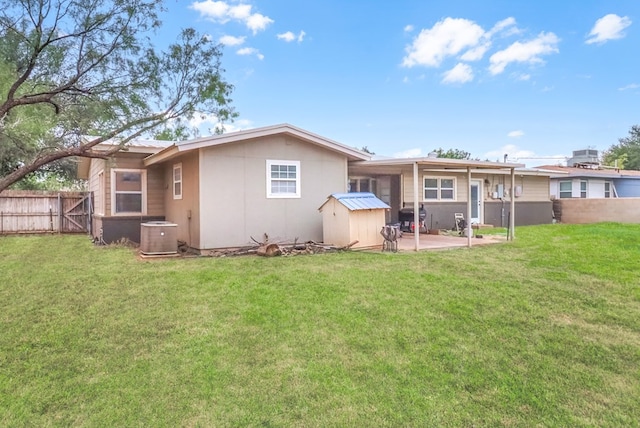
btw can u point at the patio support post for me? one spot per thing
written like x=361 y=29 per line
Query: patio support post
x=416 y=208
x=469 y=229
x=512 y=208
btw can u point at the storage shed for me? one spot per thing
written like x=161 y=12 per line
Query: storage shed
x=348 y=217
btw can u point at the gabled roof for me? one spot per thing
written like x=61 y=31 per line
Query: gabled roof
x=357 y=201
x=571 y=172
x=137 y=145
x=233 y=137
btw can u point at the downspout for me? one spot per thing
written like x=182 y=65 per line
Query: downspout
x=416 y=208
x=469 y=229
x=512 y=208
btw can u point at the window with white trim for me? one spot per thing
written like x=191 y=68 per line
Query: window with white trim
x=607 y=189
x=565 y=189
x=439 y=188
x=128 y=191
x=283 y=179
x=177 y=181
x=583 y=189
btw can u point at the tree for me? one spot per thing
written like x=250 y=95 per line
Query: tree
x=367 y=150
x=72 y=68
x=452 y=154
x=626 y=154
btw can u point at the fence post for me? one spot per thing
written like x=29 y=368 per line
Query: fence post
x=59 y=213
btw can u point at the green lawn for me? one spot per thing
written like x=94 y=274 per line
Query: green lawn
x=542 y=331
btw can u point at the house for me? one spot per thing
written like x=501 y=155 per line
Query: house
x=125 y=192
x=482 y=191
x=223 y=191
x=592 y=181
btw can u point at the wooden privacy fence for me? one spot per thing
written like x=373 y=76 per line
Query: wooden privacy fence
x=40 y=211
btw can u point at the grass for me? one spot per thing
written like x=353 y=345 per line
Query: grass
x=544 y=331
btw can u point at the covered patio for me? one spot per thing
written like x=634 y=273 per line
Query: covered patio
x=405 y=190
x=442 y=242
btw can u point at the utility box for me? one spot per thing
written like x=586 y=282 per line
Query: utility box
x=349 y=217
x=158 y=238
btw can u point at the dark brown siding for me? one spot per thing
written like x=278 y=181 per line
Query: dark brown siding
x=116 y=228
x=527 y=213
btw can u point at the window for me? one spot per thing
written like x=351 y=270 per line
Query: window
x=566 y=189
x=439 y=188
x=177 y=181
x=583 y=189
x=607 y=189
x=128 y=195
x=363 y=185
x=283 y=179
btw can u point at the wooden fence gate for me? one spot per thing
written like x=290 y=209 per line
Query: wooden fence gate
x=37 y=212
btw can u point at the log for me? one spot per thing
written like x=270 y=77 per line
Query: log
x=269 y=250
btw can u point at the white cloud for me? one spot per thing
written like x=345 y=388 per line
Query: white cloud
x=629 y=87
x=231 y=40
x=410 y=153
x=250 y=51
x=501 y=26
x=290 y=37
x=461 y=73
x=408 y=28
x=448 y=37
x=527 y=52
x=287 y=37
x=609 y=27
x=223 y=12
x=522 y=76
x=515 y=134
x=452 y=36
x=258 y=22
x=206 y=124
x=476 y=53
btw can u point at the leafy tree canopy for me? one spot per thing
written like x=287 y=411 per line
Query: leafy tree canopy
x=73 y=68
x=452 y=154
x=625 y=154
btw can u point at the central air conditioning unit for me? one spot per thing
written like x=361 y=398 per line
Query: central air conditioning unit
x=158 y=238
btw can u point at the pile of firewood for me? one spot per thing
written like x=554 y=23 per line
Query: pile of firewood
x=271 y=249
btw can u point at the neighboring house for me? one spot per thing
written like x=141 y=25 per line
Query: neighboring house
x=223 y=191
x=592 y=182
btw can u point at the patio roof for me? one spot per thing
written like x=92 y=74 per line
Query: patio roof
x=396 y=166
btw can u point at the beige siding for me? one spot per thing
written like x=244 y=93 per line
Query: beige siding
x=155 y=191
x=184 y=212
x=342 y=227
x=534 y=188
x=365 y=227
x=233 y=201
x=96 y=167
x=335 y=223
x=155 y=180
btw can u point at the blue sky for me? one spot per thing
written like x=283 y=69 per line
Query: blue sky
x=528 y=78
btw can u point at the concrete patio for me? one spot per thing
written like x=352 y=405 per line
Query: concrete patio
x=439 y=242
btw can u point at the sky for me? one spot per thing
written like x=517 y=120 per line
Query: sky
x=531 y=79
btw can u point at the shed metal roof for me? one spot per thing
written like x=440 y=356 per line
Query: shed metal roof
x=359 y=201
